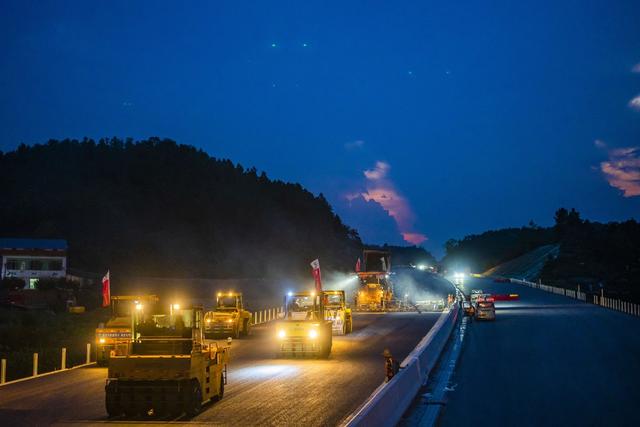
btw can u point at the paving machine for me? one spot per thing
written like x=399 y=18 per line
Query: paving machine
x=376 y=289
x=170 y=369
x=303 y=329
x=114 y=337
x=337 y=312
x=228 y=318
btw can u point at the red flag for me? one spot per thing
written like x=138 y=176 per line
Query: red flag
x=315 y=265
x=358 y=266
x=106 y=290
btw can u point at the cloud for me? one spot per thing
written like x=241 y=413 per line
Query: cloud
x=378 y=172
x=380 y=189
x=415 y=238
x=354 y=145
x=636 y=68
x=600 y=144
x=635 y=103
x=622 y=170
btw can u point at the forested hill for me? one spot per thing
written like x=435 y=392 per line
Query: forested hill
x=479 y=252
x=153 y=207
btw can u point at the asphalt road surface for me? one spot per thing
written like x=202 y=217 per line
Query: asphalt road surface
x=546 y=360
x=262 y=390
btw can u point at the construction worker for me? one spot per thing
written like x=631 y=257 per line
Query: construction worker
x=391 y=365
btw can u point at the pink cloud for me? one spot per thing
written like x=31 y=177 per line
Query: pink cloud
x=635 y=103
x=415 y=238
x=622 y=170
x=382 y=190
x=636 y=68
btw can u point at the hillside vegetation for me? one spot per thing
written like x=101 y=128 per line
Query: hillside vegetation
x=479 y=252
x=156 y=208
x=593 y=255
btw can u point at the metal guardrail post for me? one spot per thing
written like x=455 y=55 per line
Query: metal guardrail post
x=88 y=353
x=63 y=363
x=35 y=364
x=3 y=371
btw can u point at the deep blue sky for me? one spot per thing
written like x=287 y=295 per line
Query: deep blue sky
x=471 y=116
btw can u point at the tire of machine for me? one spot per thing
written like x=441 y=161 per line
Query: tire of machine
x=193 y=399
x=221 y=394
x=112 y=401
x=325 y=350
x=245 y=329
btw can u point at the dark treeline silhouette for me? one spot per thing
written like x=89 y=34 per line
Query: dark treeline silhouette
x=156 y=208
x=479 y=252
x=406 y=255
x=592 y=254
x=595 y=255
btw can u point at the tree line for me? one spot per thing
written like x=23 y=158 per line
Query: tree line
x=157 y=208
x=592 y=254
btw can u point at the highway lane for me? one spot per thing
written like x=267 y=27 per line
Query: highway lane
x=546 y=360
x=262 y=390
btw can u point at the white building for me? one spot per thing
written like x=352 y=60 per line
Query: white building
x=31 y=259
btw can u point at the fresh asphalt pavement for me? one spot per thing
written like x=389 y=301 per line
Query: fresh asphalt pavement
x=546 y=360
x=262 y=389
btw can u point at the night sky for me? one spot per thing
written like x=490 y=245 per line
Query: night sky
x=417 y=120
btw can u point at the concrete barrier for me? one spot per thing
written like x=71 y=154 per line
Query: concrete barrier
x=386 y=405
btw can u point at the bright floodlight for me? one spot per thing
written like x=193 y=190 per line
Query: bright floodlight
x=281 y=333
x=176 y=306
x=422 y=267
x=313 y=334
x=138 y=306
x=290 y=293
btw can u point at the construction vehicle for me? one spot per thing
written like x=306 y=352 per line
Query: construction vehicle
x=337 y=312
x=228 y=318
x=170 y=369
x=376 y=289
x=303 y=329
x=114 y=337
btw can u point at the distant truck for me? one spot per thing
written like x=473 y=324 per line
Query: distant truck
x=114 y=337
x=228 y=317
x=376 y=289
x=337 y=312
x=485 y=309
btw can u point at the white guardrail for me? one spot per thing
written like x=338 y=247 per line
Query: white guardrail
x=390 y=400
x=610 y=303
x=257 y=318
x=35 y=374
x=265 y=316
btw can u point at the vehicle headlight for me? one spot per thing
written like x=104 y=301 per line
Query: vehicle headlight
x=282 y=333
x=313 y=334
x=101 y=340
